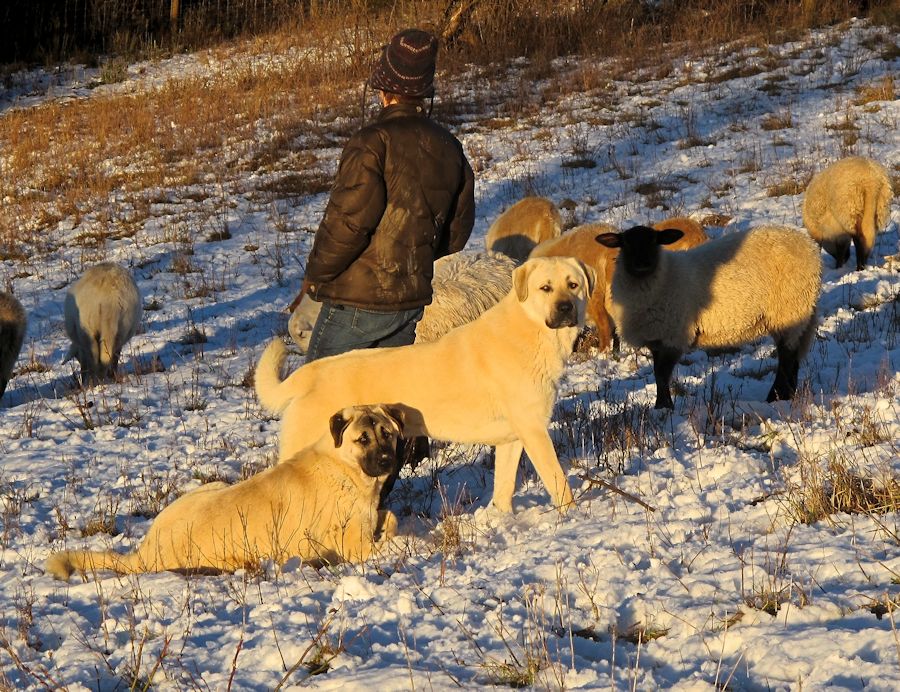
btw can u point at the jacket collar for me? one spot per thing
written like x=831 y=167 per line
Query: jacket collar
x=400 y=110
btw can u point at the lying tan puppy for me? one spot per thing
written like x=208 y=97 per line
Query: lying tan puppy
x=492 y=381
x=320 y=505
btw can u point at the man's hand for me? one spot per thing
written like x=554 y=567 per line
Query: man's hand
x=298 y=299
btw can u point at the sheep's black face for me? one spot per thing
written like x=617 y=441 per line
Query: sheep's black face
x=640 y=251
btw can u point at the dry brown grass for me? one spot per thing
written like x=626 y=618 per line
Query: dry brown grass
x=881 y=90
x=67 y=156
x=63 y=160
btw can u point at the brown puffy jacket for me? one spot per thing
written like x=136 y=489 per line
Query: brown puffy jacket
x=403 y=196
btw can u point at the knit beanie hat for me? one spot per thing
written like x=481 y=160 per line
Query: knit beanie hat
x=407 y=65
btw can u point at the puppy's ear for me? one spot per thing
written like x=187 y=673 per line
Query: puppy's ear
x=520 y=280
x=591 y=275
x=338 y=424
x=398 y=414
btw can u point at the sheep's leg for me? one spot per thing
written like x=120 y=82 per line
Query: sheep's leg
x=785 y=374
x=664 y=360
x=841 y=253
x=506 y=464
x=861 y=243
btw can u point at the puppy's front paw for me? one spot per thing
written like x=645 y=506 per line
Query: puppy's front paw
x=387 y=526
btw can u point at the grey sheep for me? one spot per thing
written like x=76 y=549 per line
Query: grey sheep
x=848 y=200
x=12 y=332
x=465 y=285
x=102 y=312
x=721 y=294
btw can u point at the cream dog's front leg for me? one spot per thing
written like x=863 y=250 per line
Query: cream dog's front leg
x=506 y=464
x=539 y=448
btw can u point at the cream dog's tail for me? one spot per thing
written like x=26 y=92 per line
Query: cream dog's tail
x=62 y=564
x=272 y=396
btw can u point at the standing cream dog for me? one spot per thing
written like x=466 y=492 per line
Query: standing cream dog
x=320 y=505
x=492 y=381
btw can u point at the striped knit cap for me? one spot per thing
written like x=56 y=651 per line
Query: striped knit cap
x=407 y=65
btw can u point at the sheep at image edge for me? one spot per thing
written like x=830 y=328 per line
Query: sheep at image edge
x=848 y=200
x=102 y=312
x=721 y=294
x=12 y=332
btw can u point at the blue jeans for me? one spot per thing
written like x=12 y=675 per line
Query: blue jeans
x=342 y=328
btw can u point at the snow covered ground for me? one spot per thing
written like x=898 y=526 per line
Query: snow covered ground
x=719 y=586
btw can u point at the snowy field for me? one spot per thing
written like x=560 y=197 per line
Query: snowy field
x=730 y=582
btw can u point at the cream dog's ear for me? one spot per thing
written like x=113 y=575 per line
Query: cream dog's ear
x=520 y=280
x=398 y=415
x=338 y=424
x=591 y=275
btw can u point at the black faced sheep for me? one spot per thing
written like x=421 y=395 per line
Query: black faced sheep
x=102 y=312
x=723 y=293
x=848 y=200
x=525 y=224
x=12 y=332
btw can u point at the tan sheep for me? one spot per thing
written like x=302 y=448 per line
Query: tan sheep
x=12 y=332
x=520 y=228
x=102 y=312
x=848 y=200
x=692 y=230
x=580 y=243
x=721 y=294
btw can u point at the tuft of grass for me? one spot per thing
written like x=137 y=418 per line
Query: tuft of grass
x=639 y=633
x=777 y=121
x=789 y=185
x=513 y=673
x=103 y=520
x=113 y=70
x=882 y=90
x=769 y=599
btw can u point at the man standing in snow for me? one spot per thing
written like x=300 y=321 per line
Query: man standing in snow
x=403 y=197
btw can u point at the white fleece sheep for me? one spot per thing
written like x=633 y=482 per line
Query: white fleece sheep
x=848 y=200
x=721 y=294
x=12 y=332
x=465 y=284
x=102 y=312
x=520 y=228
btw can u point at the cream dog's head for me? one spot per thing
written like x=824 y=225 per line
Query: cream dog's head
x=367 y=436
x=554 y=290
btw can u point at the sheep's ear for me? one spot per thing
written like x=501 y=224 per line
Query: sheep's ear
x=520 y=280
x=667 y=236
x=591 y=276
x=609 y=240
x=338 y=424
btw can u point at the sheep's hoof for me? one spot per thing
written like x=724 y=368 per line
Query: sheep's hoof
x=777 y=395
x=664 y=404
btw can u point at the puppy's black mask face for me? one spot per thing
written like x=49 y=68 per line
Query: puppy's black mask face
x=373 y=436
